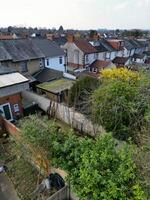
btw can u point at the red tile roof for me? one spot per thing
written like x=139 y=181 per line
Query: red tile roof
x=120 y=60
x=6 y=37
x=101 y=64
x=85 y=46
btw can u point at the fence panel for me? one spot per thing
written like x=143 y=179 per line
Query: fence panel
x=62 y=194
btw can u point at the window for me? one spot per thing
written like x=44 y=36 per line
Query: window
x=47 y=62
x=41 y=63
x=23 y=67
x=96 y=55
x=16 y=108
x=108 y=55
x=94 y=70
x=86 y=58
x=6 y=111
x=60 y=60
x=104 y=56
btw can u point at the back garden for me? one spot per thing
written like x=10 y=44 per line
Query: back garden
x=114 y=165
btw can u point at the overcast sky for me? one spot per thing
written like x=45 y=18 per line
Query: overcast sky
x=77 y=14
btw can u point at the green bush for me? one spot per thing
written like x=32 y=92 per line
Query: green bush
x=79 y=96
x=97 y=169
x=120 y=107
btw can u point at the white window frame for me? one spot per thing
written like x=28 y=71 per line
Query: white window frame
x=16 y=108
x=6 y=104
x=47 y=62
x=95 y=55
x=86 y=58
x=94 y=70
x=60 y=60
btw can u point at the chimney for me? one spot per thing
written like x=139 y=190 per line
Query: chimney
x=70 y=38
x=49 y=36
x=96 y=37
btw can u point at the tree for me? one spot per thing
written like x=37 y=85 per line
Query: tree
x=10 y=29
x=107 y=172
x=97 y=169
x=133 y=33
x=92 y=33
x=120 y=103
x=61 y=29
x=80 y=93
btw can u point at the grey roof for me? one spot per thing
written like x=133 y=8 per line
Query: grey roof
x=4 y=55
x=128 y=45
x=140 y=56
x=143 y=43
x=60 y=41
x=48 y=48
x=29 y=77
x=101 y=48
x=6 y=70
x=19 y=50
x=47 y=74
x=135 y=43
x=107 y=45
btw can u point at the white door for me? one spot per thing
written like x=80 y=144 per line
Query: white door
x=6 y=111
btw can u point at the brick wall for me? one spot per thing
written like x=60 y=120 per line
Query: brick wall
x=12 y=129
x=13 y=99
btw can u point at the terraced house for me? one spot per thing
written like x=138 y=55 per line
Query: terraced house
x=28 y=56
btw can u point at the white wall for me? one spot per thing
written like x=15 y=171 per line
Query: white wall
x=111 y=55
x=101 y=56
x=132 y=52
x=91 y=58
x=140 y=61
x=126 y=52
x=54 y=63
x=74 y=54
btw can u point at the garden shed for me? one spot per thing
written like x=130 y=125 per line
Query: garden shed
x=56 y=90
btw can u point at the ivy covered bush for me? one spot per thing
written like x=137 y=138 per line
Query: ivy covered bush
x=97 y=169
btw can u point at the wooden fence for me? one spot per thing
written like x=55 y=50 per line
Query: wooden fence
x=65 y=114
x=62 y=194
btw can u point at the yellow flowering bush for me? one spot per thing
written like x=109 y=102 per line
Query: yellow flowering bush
x=121 y=74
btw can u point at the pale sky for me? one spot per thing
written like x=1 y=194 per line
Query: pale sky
x=77 y=14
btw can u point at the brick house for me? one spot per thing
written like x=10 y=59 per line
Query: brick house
x=80 y=53
x=11 y=86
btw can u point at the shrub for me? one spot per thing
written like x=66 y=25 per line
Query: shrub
x=120 y=104
x=79 y=96
x=97 y=169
